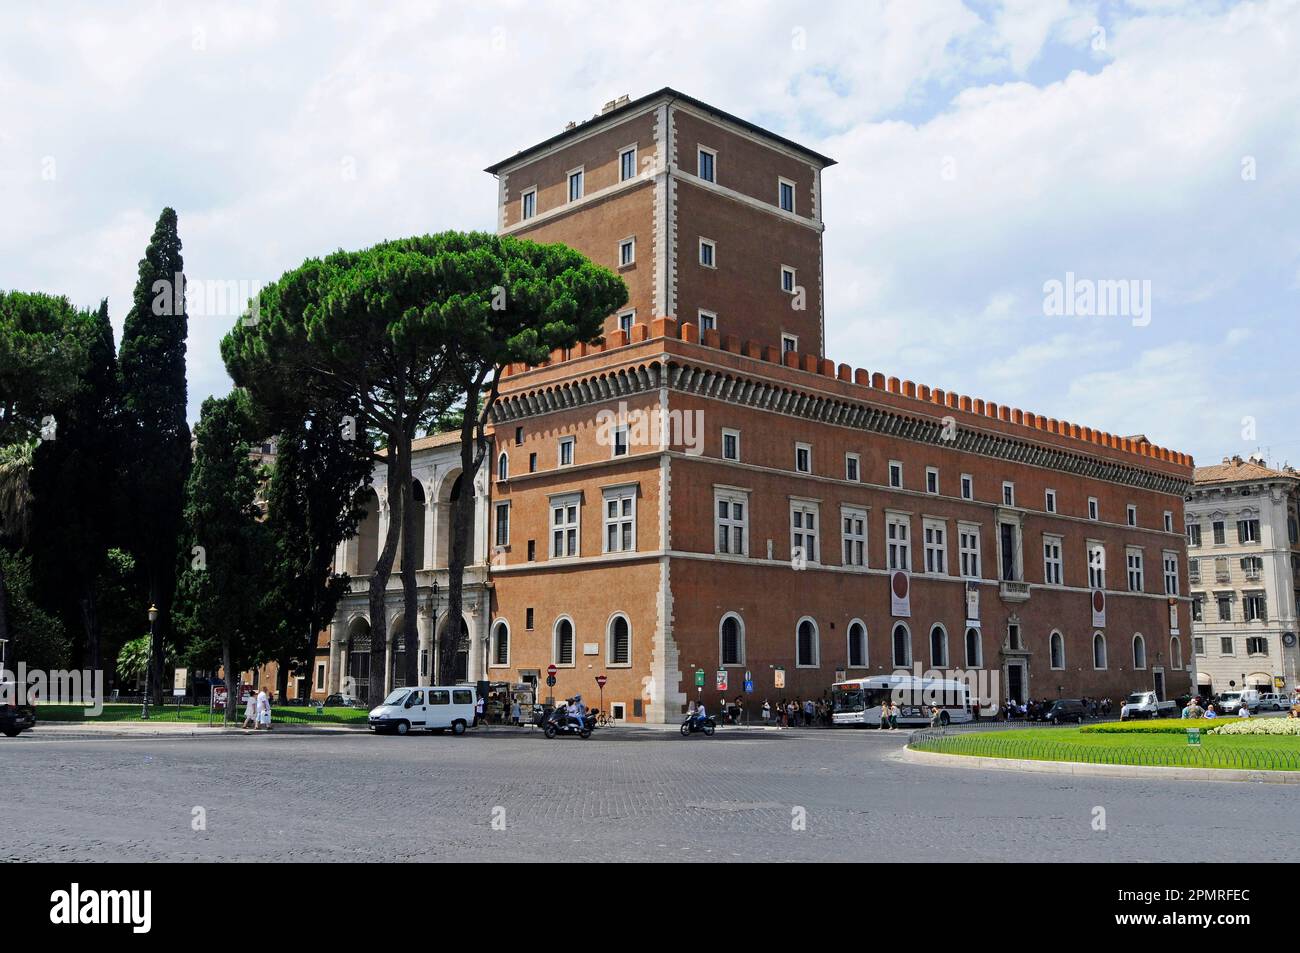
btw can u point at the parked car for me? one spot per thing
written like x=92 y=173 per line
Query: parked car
x=14 y=718
x=434 y=708
x=1146 y=705
x=1065 y=709
x=1274 y=701
x=1230 y=702
x=342 y=700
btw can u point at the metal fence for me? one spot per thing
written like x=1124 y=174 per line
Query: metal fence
x=1048 y=748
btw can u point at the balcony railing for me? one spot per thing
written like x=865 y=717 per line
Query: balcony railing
x=1012 y=591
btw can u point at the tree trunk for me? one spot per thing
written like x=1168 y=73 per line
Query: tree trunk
x=282 y=666
x=462 y=514
x=379 y=584
x=232 y=683
x=4 y=616
x=410 y=562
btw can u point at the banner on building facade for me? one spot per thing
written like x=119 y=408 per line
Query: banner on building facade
x=900 y=594
x=972 y=605
x=1098 y=609
x=1173 y=617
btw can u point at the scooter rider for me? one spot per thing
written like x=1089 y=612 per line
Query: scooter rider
x=578 y=712
x=700 y=715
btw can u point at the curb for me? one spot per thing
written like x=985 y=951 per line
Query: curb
x=1149 y=772
x=54 y=730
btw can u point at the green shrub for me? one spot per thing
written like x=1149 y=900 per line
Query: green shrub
x=1163 y=726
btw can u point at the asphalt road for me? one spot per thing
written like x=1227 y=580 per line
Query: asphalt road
x=627 y=795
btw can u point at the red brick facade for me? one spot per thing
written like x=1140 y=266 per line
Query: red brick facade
x=663 y=587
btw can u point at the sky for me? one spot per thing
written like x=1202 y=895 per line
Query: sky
x=997 y=161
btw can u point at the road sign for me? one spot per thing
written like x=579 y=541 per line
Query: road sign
x=1193 y=736
x=722 y=679
x=778 y=675
x=699 y=678
x=749 y=685
x=601 y=680
x=550 y=680
x=178 y=683
x=551 y=670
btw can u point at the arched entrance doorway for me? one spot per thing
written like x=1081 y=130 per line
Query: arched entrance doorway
x=356 y=680
x=397 y=658
x=460 y=662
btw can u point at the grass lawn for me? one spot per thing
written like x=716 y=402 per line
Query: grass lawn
x=1257 y=752
x=198 y=714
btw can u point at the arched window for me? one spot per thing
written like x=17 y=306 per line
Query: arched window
x=503 y=467
x=806 y=649
x=857 y=644
x=563 y=649
x=1056 y=645
x=619 y=649
x=731 y=639
x=1176 y=653
x=501 y=643
x=1139 y=651
x=974 y=649
x=938 y=647
x=1098 y=651
x=902 y=646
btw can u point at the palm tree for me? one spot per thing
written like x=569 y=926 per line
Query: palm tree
x=15 y=510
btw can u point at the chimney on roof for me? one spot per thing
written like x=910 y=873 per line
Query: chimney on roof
x=571 y=124
x=614 y=104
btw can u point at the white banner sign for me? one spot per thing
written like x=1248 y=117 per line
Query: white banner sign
x=900 y=594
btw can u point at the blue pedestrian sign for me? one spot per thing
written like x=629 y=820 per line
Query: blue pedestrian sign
x=749 y=685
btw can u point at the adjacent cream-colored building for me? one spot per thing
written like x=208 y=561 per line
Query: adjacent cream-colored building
x=1243 y=553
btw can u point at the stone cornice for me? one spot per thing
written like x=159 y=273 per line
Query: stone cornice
x=715 y=383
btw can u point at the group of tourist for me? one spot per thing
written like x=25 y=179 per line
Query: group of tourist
x=790 y=713
x=257 y=711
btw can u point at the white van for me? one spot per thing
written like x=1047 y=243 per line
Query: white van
x=431 y=707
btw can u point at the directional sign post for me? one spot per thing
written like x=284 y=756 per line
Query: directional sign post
x=601 y=680
x=550 y=681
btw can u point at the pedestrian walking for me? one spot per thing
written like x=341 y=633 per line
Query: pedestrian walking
x=516 y=712
x=250 y=711
x=884 y=715
x=767 y=711
x=263 y=710
x=478 y=711
x=893 y=714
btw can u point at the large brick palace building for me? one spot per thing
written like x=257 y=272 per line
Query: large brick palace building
x=706 y=492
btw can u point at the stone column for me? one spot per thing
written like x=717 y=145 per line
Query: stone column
x=424 y=623
x=338 y=657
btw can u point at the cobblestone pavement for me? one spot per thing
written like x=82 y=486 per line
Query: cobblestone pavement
x=623 y=795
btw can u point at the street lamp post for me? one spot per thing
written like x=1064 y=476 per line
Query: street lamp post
x=148 y=666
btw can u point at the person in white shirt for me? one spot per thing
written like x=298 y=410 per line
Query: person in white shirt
x=1243 y=710
x=250 y=711
x=263 y=710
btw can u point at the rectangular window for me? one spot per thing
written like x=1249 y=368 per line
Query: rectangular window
x=566 y=451
x=532 y=553
x=967 y=487
x=1171 y=574
x=706 y=164
x=1219 y=535
x=1198 y=615
x=1049 y=501
x=621 y=438
x=803 y=457
x=854 y=522
x=627 y=163
x=532 y=463
x=1224 y=603
x=620 y=519
x=708 y=321
x=564 y=526
x=788 y=281
x=1133 y=557
x=852 y=467
x=1169 y=521
x=1253 y=607
x=626 y=252
x=785 y=195
x=1193 y=534
x=1248 y=531
x=1096 y=566
x=528 y=205
x=625 y=321
x=503 y=524
x=732 y=508
x=932 y=480
x=1008 y=493
x=803 y=531
x=519 y=436
x=895 y=473
x=320 y=677
x=575 y=185
x=1194 y=570
x=1132 y=513
x=528 y=618
x=708 y=253
x=1052 y=560
x=731 y=444
x=789 y=342
x=935 y=534
x=899 y=546
x=968 y=545
x=1093 y=511
x=1256 y=645
x=1225 y=645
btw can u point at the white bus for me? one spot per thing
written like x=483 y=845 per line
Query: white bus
x=857 y=701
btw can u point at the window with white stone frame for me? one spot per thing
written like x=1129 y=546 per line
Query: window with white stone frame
x=803 y=531
x=898 y=540
x=853 y=520
x=935 y=534
x=731 y=509
x=1133 y=560
x=1096 y=565
x=1171 y=573
x=1052 y=563
x=620 y=519
x=968 y=546
x=565 y=515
